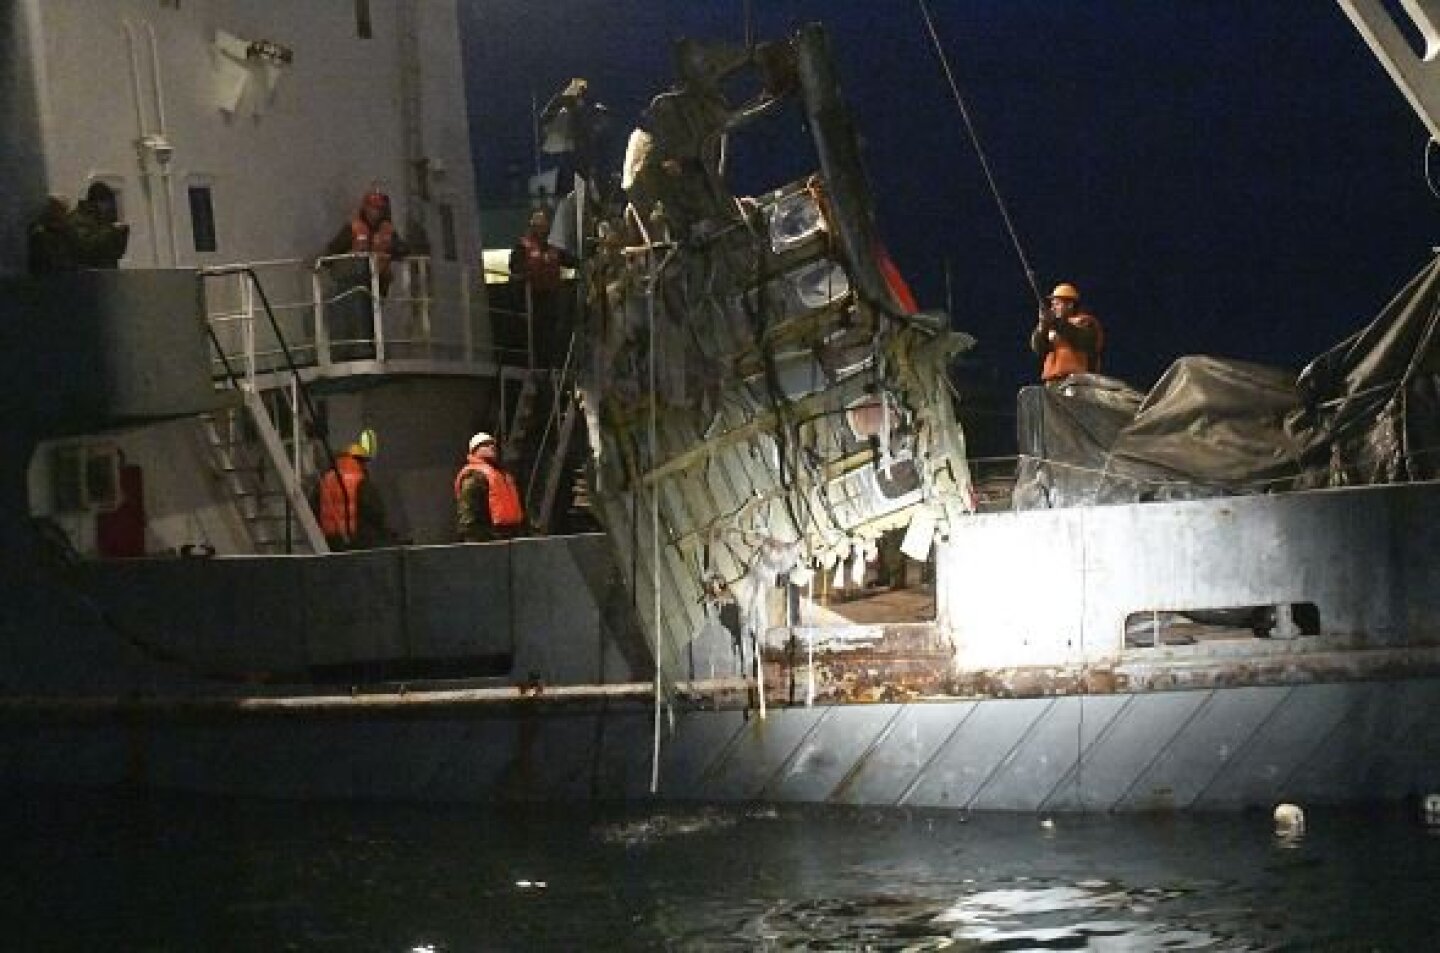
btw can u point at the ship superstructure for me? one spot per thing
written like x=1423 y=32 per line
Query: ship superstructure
x=238 y=138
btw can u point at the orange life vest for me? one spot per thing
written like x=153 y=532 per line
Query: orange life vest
x=1064 y=359
x=504 y=501
x=340 y=499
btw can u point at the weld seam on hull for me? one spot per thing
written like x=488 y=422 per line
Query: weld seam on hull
x=1004 y=760
x=1161 y=751
x=1074 y=773
x=934 y=756
x=855 y=769
x=722 y=756
x=779 y=773
x=1351 y=711
x=1245 y=746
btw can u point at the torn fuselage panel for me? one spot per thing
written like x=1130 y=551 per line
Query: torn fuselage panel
x=766 y=402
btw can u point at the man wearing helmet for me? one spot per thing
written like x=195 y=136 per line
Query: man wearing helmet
x=350 y=511
x=1068 y=338
x=370 y=232
x=487 y=501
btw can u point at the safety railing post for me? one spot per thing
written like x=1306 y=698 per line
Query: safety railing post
x=297 y=453
x=424 y=295
x=322 y=331
x=296 y=430
x=377 y=311
x=247 y=297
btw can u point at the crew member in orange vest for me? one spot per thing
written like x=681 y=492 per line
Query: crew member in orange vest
x=351 y=514
x=1068 y=338
x=487 y=501
x=370 y=231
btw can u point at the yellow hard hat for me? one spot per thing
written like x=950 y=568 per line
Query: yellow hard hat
x=1066 y=290
x=357 y=450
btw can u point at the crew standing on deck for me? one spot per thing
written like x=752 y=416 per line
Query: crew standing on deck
x=1068 y=338
x=487 y=500
x=351 y=513
x=371 y=232
x=536 y=266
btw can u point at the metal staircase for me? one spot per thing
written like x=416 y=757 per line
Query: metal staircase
x=265 y=451
x=564 y=470
x=557 y=455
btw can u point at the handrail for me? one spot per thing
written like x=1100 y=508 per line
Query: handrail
x=426 y=311
x=249 y=271
x=311 y=414
x=562 y=391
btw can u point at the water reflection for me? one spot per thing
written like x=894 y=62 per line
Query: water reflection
x=158 y=874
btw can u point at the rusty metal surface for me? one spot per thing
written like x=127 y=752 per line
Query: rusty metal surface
x=913 y=662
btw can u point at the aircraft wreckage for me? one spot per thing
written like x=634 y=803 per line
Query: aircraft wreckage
x=765 y=399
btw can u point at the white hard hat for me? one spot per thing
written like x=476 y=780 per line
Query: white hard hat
x=480 y=440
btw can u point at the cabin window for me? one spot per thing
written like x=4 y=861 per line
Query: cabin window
x=202 y=218
x=448 y=245
x=1156 y=627
x=363 y=29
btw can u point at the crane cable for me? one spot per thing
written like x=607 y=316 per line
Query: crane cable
x=980 y=151
x=1079 y=767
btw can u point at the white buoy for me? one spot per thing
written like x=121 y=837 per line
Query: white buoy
x=1289 y=820
x=1430 y=810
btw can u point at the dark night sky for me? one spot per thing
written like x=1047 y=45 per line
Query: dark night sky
x=1232 y=178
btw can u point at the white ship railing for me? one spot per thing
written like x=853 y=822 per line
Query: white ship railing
x=330 y=311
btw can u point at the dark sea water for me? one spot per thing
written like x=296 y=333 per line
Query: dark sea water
x=84 y=872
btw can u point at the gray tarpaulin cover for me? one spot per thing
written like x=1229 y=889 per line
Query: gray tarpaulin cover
x=1366 y=411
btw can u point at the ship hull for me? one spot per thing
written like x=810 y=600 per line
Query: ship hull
x=337 y=683
x=1216 y=749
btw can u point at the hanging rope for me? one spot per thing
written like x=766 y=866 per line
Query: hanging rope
x=980 y=153
x=653 y=440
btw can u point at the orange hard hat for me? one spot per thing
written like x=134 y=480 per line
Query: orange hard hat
x=357 y=450
x=1067 y=291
